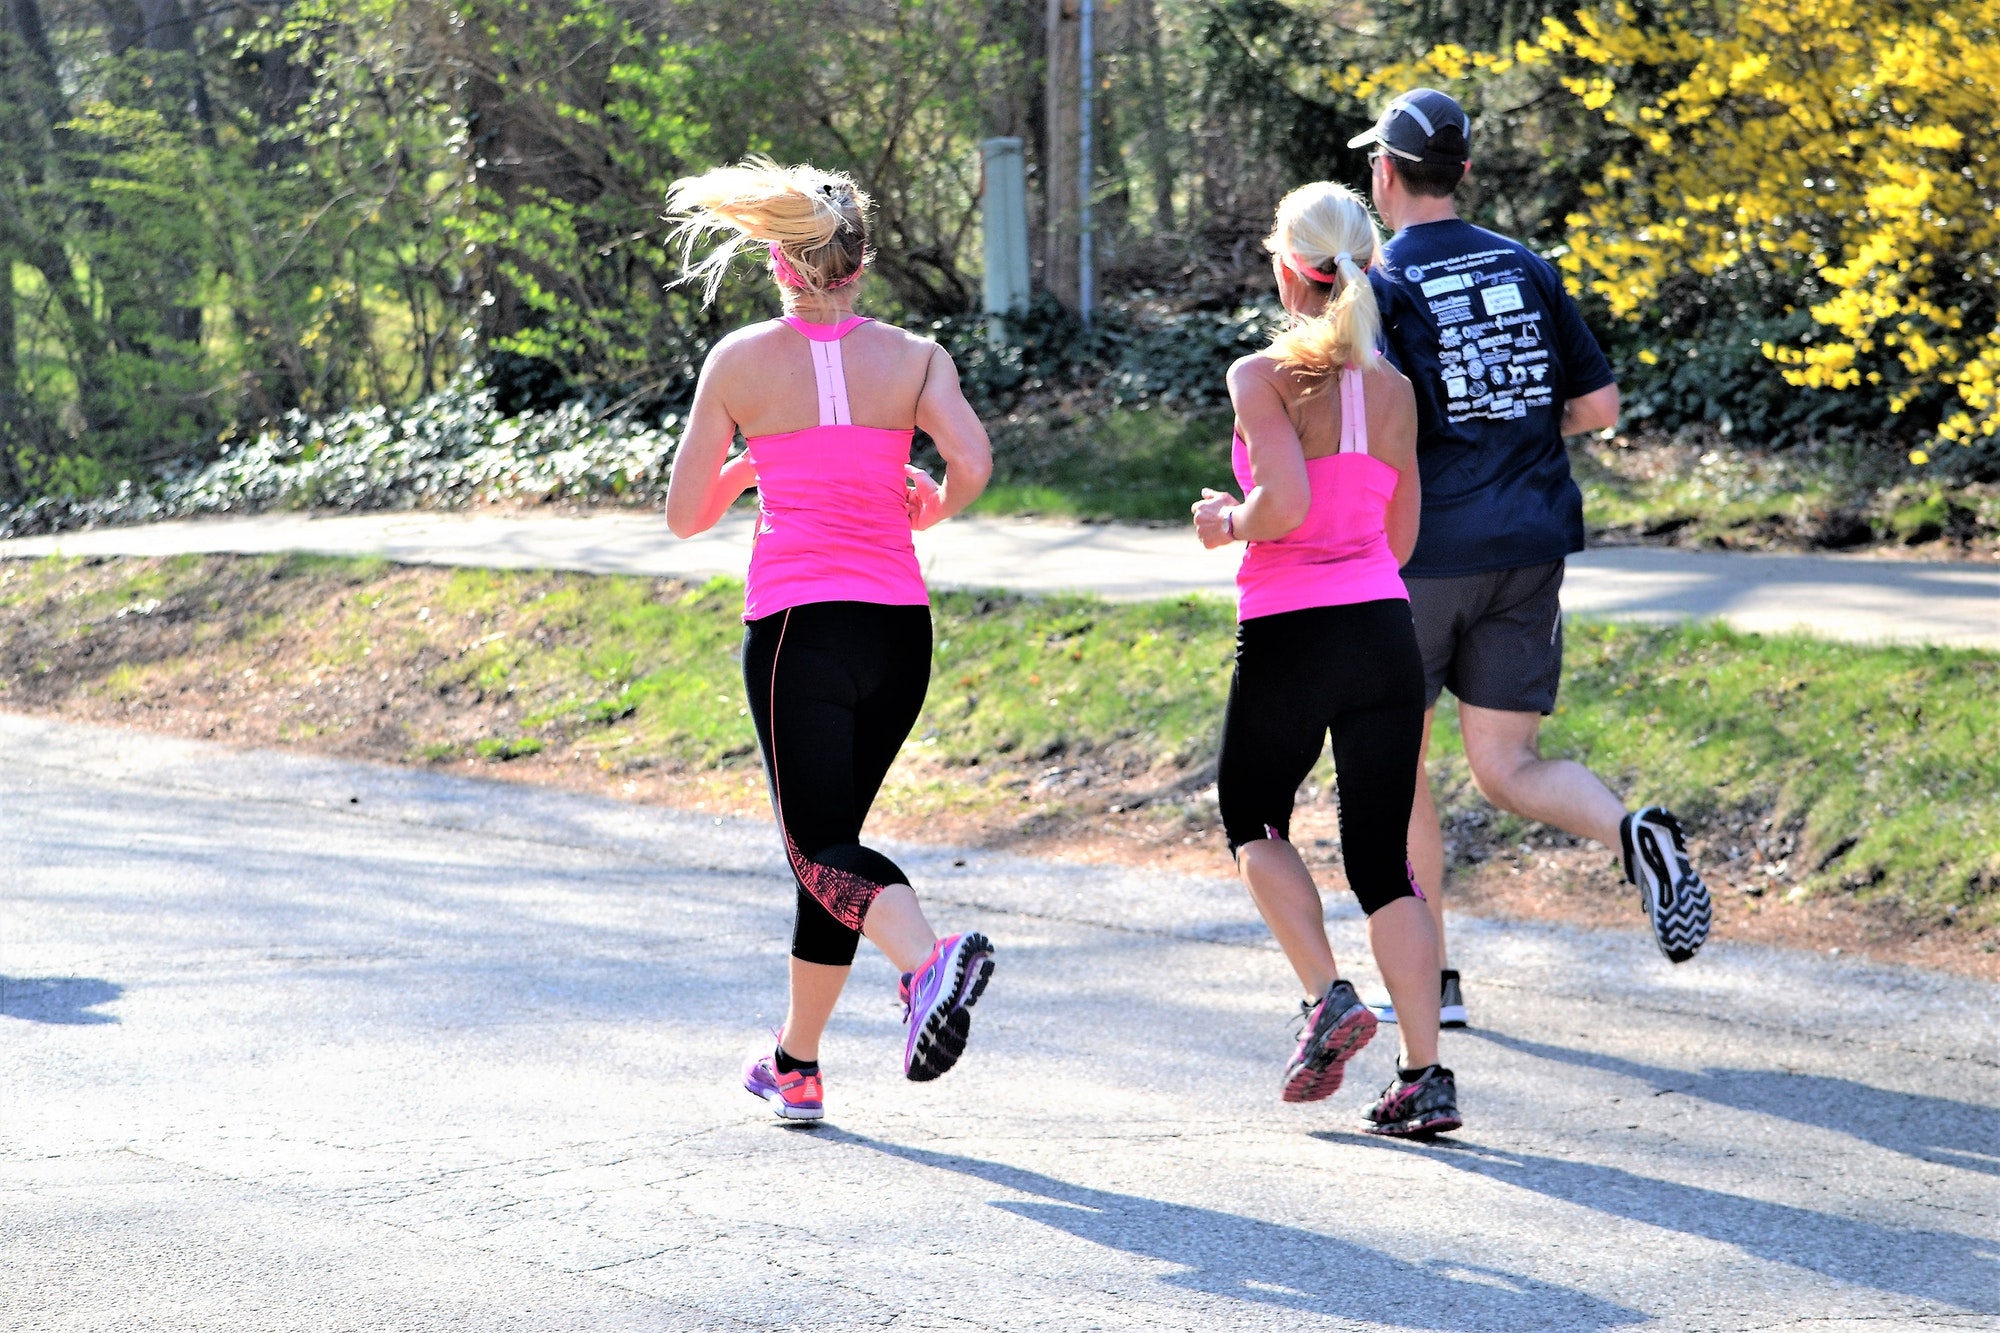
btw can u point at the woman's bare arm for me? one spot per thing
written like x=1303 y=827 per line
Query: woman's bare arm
x=1281 y=493
x=1392 y=437
x=702 y=485
x=945 y=416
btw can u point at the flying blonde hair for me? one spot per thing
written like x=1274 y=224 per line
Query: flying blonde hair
x=817 y=219
x=1326 y=228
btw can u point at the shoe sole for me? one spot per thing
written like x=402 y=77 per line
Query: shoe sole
x=780 y=1109
x=1418 y=1127
x=1310 y=1083
x=1451 y=1016
x=942 y=1038
x=1682 y=930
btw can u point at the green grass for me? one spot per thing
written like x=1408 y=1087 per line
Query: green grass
x=1874 y=767
x=1129 y=464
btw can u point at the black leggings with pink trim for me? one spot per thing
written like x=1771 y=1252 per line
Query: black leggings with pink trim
x=1350 y=672
x=834 y=688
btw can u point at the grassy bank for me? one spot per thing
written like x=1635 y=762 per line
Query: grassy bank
x=1804 y=768
x=1127 y=464
x=1148 y=465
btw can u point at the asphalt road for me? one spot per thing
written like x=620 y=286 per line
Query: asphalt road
x=1843 y=597
x=287 y=1043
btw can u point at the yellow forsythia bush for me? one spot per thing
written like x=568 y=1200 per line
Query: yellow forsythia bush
x=1858 y=140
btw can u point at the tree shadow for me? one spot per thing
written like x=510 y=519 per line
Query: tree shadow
x=1224 y=1254
x=1937 y=1266
x=57 y=999
x=1930 y=1129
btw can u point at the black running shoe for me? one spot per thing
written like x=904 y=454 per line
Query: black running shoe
x=1676 y=901
x=1417 y=1110
x=1451 y=1005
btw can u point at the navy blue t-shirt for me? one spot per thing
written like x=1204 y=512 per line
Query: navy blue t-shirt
x=1494 y=347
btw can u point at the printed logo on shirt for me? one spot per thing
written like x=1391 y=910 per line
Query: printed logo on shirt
x=1493 y=356
x=1502 y=298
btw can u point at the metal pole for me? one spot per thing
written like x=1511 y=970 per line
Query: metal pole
x=1003 y=212
x=1086 y=276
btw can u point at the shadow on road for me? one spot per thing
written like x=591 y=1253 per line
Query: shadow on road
x=1244 y=1259
x=57 y=999
x=1931 y=1129
x=1938 y=1266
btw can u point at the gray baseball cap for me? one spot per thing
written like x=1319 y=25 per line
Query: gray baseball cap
x=1422 y=125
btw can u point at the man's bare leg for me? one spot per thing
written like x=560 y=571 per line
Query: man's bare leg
x=1503 y=749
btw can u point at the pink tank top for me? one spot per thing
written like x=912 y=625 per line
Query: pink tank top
x=833 y=524
x=1340 y=554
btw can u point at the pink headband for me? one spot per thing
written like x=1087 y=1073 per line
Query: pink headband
x=789 y=276
x=1307 y=271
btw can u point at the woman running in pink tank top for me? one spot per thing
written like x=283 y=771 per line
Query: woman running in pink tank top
x=1325 y=451
x=837 y=636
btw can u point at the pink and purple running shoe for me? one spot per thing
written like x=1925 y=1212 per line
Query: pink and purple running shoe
x=1335 y=1028
x=1419 y=1108
x=794 y=1096
x=937 y=1002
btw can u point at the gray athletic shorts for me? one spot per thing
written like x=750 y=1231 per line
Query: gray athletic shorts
x=1495 y=639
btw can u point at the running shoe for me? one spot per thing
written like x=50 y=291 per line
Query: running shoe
x=937 y=1002
x=1335 y=1028
x=1676 y=901
x=793 y=1096
x=1417 y=1110
x=1451 y=1002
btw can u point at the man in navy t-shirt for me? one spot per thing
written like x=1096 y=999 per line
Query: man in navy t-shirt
x=1503 y=369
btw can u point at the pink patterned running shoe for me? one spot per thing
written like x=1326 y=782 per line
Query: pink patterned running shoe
x=1335 y=1028
x=793 y=1096
x=937 y=1001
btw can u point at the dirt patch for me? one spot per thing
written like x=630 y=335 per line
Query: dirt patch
x=262 y=653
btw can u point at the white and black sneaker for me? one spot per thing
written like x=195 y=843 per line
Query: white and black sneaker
x=1451 y=1004
x=1676 y=901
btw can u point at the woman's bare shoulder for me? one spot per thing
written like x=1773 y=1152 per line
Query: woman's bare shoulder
x=1258 y=368
x=748 y=342
x=898 y=342
x=1392 y=413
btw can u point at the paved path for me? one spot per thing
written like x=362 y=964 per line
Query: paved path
x=1843 y=597
x=288 y=1044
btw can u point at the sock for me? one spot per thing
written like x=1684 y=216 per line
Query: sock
x=1448 y=974
x=1414 y=1075
x=787 y=1065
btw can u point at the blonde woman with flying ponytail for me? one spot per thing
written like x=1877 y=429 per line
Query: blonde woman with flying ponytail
x=837 y=629
x=1325 y=450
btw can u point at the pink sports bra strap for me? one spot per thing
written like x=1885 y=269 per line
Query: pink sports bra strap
x=1353 y=413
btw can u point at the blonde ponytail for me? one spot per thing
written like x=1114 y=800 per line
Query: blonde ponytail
x=817 y=219
x=1326 y=228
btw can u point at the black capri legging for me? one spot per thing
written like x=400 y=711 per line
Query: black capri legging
x=1352 y=671
x=834 y=689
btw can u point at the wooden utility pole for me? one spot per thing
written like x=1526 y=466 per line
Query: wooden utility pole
x=1061 y=203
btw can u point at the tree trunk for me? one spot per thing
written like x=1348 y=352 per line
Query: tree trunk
x=1060 y=272
x=1153 y=116
x=10 y=371
x=42 y=248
